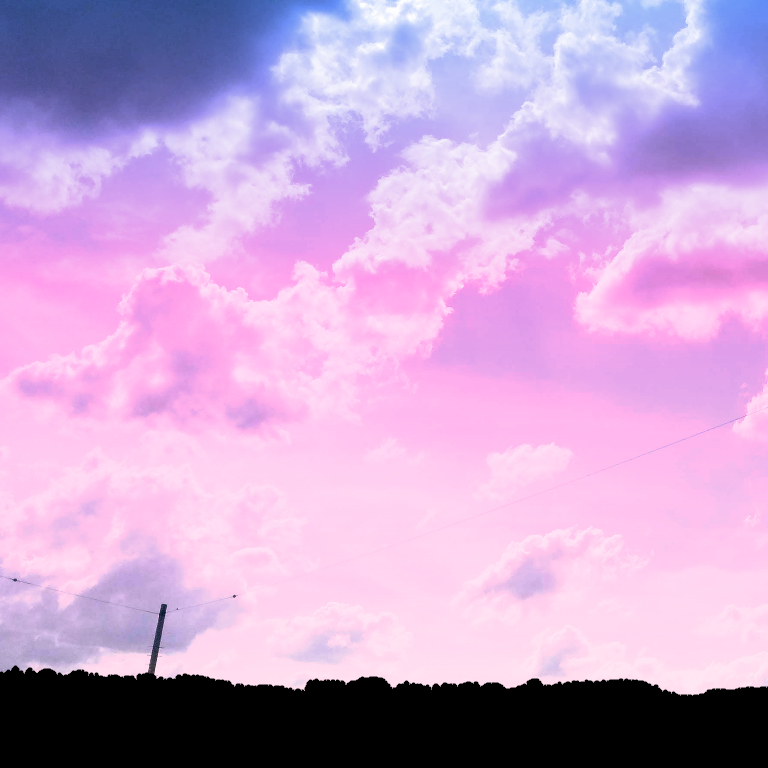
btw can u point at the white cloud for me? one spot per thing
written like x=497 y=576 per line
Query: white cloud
x=518 y=60
x=42 y=174
x=429 y=217
x=374 y=64
x=595 y=78
x=224 y=154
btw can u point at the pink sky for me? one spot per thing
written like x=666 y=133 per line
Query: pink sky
x=378 y=267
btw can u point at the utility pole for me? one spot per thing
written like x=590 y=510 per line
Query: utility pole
x=158 y=635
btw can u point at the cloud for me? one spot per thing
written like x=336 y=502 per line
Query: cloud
x=391 y=450
x=557 y=649
x=725 y=134
x=518 y=467
x=34 y=629
x=71 y=533
x=336 y=631
x=695 y=259
x=451 y=213
x=568 y=654
x=246 y=162
x=596 y=80
x=43 y=174
x=755 y=425
x=564 y=560
x=429 y=217
x=748 y=624
x=90 y=66
x=373 y=64
x=190 y=351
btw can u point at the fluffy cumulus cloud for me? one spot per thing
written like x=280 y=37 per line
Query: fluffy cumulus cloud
x=428 y=217
x=102 y=513
x=223 y=155
x=190 y=350
x=373 y=65
x=692 y=261
x=518 y=467
x=42 y=174
x=755 y=425
x=538 y=566
x=337 y=631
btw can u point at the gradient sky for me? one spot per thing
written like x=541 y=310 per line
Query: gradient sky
x=284 y=283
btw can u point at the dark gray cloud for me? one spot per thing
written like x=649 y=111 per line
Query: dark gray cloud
x=44 y=634
x=89 y=64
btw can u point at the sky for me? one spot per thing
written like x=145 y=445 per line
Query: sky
x=300 y=301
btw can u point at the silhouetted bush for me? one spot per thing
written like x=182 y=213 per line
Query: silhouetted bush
x=367 y=719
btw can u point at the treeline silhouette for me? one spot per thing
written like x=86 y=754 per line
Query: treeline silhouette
x=367 y=720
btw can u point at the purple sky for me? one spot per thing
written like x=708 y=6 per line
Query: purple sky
x=286 y=283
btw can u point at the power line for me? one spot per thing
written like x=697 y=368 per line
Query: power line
x=418 y=535
x=510 y=503
x=197 y=605
x=75 y=594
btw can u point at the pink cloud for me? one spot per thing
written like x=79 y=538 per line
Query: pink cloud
x=569 y=654
x=738 y=621
x=102 y=512
x=562 y=561
x=557 y=648
x=189 y=350
x=692 y=261
x=336 y=631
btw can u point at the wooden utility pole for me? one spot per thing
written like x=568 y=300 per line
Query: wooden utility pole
x=158 y=635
